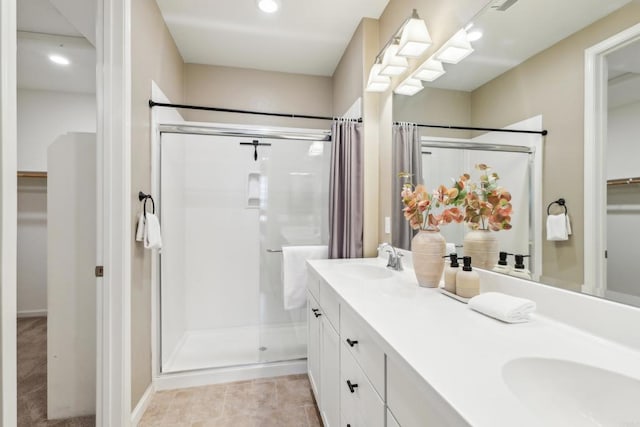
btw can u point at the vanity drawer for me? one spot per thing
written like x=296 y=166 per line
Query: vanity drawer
x=358 y=338
x=313 y=284
x=360 y=405
x=330 y=305
x=414 y=403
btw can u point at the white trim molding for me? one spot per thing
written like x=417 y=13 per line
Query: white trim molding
x=8 y=213
x=595 y=174
x=113 y=406
x=32 y=313
x=143 y=404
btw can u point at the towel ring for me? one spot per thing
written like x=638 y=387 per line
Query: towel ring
x=145 y=197
x=559 y=202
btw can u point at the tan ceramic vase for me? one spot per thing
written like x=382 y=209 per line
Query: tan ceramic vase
x=482 y=247
x=428 y=251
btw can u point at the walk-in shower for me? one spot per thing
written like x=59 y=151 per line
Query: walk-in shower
x=229 y=201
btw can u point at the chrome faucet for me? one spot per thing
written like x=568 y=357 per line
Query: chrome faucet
x=395 y=258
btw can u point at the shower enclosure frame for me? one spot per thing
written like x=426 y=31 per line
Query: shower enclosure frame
x=169 y=380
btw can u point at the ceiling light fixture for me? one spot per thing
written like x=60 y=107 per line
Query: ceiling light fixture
x=430 y=70
x=377 y=82
x=268 y=6
x=409 y=87
x=415 y=39
x=455 y=49
x=474 y=36
x=392 y=64
x=59 y=59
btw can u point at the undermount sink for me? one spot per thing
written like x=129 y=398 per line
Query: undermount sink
x=365 y=271
x=564 y=393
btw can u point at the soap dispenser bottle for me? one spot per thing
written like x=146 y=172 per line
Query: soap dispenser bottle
x=467 y=280
x=519 y=269
x=502 y=266
x=450 y=273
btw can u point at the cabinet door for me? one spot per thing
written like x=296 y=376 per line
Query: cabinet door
x=313 y=345
x=330 y=374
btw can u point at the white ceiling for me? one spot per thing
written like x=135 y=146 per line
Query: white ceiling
x=43 y=30
x=304 y=36
x=526 y=28
x=624 y=76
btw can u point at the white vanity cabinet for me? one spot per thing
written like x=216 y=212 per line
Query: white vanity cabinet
x=356 y=378
x=323 y=353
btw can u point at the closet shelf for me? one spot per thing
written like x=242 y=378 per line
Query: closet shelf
x=623 y=181
x=31 y=174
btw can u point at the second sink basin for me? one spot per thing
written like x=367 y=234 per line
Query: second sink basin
x=565 y=393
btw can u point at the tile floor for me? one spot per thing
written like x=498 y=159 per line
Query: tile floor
x=278 y=402
x=32 y=377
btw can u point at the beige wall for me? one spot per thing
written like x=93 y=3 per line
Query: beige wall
x=552 y=84
x=437 y=107
x=348 y=76
x=154 y=57
x=443 y=18
x=245 y=89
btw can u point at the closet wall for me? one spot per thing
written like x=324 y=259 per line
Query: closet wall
x=42 y=117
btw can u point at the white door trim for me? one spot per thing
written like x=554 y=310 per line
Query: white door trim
x=8 y=213
x=595 y=174
x=113 y=406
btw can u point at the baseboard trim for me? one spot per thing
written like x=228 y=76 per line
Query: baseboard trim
x=171 y=381
x=143 y=404
x=32 y=313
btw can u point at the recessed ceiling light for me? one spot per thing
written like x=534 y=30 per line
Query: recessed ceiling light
x=59 y=59
x=474 y=36
x=268 y=6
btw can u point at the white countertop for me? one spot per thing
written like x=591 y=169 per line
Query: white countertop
x=459 y=352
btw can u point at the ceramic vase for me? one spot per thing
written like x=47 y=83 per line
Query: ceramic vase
x=482 y=247
x=428 y=251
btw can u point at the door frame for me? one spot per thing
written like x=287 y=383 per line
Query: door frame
x=595 y=173
x=8 y=213
x=114 y=226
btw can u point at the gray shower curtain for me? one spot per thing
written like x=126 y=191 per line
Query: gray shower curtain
x=346 y=196
x=407 y=157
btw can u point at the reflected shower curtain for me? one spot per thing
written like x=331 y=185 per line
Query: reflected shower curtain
x=407 y=157
x=346 y=196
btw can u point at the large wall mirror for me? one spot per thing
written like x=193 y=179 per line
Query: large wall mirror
x=527 y=71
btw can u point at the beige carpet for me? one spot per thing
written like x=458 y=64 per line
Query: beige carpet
x=32 y=377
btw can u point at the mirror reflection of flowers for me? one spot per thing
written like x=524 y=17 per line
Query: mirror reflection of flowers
x=486 y=205
x=419 y=204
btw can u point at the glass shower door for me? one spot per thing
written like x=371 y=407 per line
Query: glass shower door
x=293 y=212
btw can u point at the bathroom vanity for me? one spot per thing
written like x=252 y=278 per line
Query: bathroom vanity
x=385 y=352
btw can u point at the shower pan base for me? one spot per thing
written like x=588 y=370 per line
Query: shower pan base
x=215 y=348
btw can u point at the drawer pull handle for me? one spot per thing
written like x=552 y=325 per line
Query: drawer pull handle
x=352 y=343
x=352 y=387
x=317 y=314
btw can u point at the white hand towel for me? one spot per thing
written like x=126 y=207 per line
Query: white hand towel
x=140 y=229
x=568 y=225
x=152 y=237
x=503 y=307
x=294 y=271
x=558 y=227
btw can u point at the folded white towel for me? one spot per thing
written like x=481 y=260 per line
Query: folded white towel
x=140 y=228
x=558 y=227
x=152 y=237
x=503 y=307
x=294 y=271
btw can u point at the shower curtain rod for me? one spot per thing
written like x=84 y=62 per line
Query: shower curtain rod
x=539 y=132
x=152 y=104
